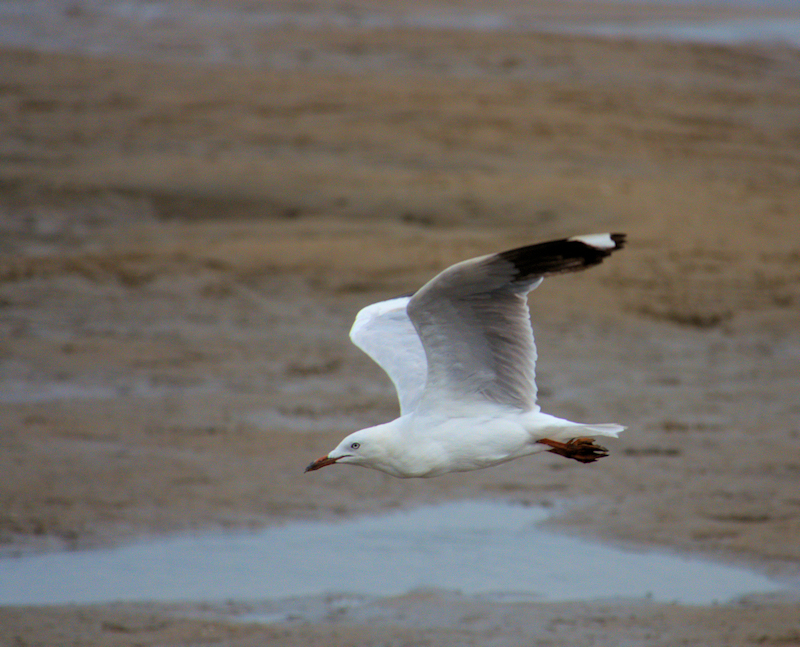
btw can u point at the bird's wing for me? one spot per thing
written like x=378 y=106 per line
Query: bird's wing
x=474 y=322
x=385 y=333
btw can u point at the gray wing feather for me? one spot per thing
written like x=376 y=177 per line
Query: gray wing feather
x=476 y=332
x=474 y=323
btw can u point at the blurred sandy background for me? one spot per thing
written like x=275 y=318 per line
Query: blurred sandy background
x=196 y=199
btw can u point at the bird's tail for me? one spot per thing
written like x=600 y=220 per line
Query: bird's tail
x=599 y=430
x=576 y=430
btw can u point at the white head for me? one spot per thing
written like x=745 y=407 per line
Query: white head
x=369 y=447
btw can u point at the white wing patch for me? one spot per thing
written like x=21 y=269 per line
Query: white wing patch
x=600 y=241
x=385 y=333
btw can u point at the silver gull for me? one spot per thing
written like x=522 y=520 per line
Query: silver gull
x=461 y=354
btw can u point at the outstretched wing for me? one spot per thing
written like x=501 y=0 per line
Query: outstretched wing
x=385 y=333
x=474 y=323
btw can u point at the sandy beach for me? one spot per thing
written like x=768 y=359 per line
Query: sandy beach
x=191 y=217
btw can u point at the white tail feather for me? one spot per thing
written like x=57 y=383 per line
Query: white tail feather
x=599 y=430
x=577 y=430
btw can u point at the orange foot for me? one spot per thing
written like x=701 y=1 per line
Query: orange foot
x=584 y=450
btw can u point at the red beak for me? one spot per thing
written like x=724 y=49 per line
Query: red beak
x=321 y=462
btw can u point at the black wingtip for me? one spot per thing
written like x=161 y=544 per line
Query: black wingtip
x=563 y=255
x=619 y=240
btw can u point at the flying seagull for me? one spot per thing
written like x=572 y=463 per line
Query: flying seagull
x=461 y=354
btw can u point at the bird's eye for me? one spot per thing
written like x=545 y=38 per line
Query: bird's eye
x=355 y=445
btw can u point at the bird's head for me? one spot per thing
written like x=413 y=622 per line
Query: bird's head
x=359 y=448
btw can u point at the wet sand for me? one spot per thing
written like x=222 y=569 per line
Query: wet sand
x=185 y=242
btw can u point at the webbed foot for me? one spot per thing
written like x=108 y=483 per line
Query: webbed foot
x=583 y=450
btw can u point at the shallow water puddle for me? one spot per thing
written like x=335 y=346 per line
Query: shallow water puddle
x=784 y=31
x=472 y=547
x=32 y=392
x=145 y=27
